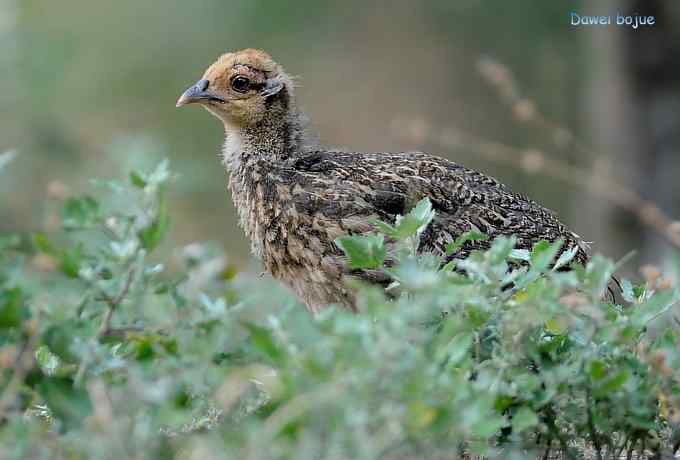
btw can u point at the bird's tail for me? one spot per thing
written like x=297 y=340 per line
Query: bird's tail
x=614 y=291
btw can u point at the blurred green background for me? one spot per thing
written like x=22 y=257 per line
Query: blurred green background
x=89 y=88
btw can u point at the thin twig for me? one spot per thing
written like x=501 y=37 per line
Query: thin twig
x=619 y=451
x=23 y=364
x=631 y=448
x=525 y=110
x=591 y=424
x=113 y=303
x=105 y=328
x=546 y=455
x=121 y=332
x=555 y=431
x=534 y=161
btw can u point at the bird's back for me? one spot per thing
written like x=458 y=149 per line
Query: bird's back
x=389 y=184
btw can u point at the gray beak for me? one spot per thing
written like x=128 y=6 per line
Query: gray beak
x=198 y=92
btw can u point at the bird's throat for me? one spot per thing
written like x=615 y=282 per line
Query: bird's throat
x=273 y=139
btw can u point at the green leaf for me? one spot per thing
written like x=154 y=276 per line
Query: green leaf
x=466 y=237
x=597 y=370
x=543 y=253
x=160 y=175
x=43 y=243
x=143 y=349
x=71 y=261
x=501 y=248
x=51 y=365
x=363 y=251
x=262 y=340
x=565 y=257
x=182 y=398
x=137 y=179
x=627 y=291
x=60 y=337
x=612 y=384
x=154 y=234
x=48 y=361
x=406 y=226
x=411 y=224
x=488 y=427
x=177 y=296
x=639 y=291
x=523 y=419
x=80 y=213
x=458 y=347
x=10 y=241
x=69 y=404
x=556 y=326
x=654 y=307
x=422 y=213
x=384 y=227
x=598 y=274
x=520 y=254
x=503 y=402
x=11 y=308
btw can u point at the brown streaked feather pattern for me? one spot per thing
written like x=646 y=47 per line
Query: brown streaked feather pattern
x=391 y=183
x=298 y=207
x=294 y=200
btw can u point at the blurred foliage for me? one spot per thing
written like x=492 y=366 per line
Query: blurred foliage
x=104 y=353
x=120 y=337
x=90 y=88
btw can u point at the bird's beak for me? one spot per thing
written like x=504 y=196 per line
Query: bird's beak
x=198 y=92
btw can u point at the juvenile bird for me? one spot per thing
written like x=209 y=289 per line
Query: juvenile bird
x=294 y=198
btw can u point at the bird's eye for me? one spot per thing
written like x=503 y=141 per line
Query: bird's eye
x=240 y=84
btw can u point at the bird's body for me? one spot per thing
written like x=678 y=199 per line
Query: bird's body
x=294 y=200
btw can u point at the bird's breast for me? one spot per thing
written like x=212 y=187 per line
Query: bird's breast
x=290 y=234
x=279 y=230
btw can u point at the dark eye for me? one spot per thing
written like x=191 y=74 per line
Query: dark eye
x=240 y=84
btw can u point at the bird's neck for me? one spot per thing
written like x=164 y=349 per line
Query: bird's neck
x=277 y=138
x=250 y=155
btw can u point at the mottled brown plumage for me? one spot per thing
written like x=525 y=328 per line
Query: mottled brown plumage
x=295 y=199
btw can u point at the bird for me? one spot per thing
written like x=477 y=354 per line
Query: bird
x=294 y=197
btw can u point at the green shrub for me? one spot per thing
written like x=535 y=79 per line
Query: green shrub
x=105 y=352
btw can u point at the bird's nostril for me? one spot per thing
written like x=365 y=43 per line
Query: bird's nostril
x=202 y=85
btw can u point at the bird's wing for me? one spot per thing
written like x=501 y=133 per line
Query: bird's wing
x=357 y=188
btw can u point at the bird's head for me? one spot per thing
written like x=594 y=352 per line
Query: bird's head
x=241 y=88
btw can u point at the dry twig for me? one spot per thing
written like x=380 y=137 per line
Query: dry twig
x=23 y=364
x=113 y=303
x=535 y=161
